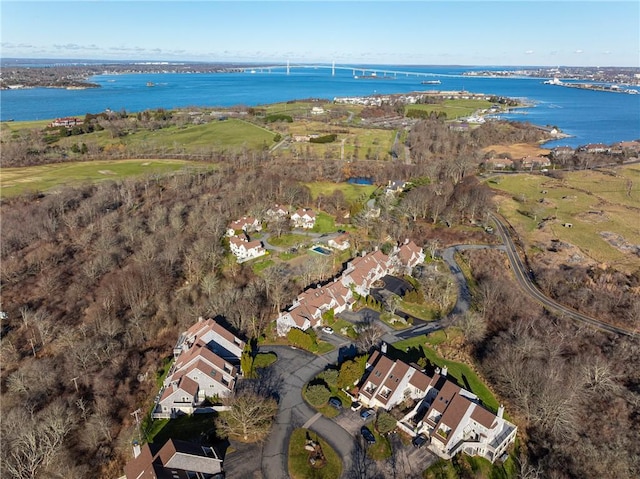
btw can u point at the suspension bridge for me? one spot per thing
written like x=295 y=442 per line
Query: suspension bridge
x=356 y=71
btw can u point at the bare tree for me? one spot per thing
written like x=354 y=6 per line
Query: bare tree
x=249 y=416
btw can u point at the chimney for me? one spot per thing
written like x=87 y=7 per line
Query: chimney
x=136 y=449
x=437 y=370
x=444 y=371
x=406 y=241
x=501 y=411
x=383 y=348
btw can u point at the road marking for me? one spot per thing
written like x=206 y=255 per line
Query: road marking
x=313 y=419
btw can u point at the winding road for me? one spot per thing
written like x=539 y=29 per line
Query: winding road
x=525 y=282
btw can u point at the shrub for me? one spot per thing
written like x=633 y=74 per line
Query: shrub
x=330 y=376
x=317 y=394
x=324 y=139
x=278 y=117
x=299 y=338
x=385 y=423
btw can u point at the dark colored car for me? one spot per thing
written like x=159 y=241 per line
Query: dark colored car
x=366 y=414
x=336 y=403
x=368 y=435
x=420 y=440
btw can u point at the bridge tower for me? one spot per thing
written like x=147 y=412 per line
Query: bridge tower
x=333 y=69
x=287 y=67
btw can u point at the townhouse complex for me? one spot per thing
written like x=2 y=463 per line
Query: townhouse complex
x=357 y=279
x=450 y=417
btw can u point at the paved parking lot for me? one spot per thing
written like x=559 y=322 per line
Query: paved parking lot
x=407 y=461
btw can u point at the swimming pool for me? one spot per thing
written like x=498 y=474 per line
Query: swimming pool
x=321 y=250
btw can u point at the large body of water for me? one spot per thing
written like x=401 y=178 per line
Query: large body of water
x=589 y=116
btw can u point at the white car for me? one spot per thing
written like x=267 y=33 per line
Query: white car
x=327 y=330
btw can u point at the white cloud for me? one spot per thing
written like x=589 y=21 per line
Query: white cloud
x=528 y=52
x=579 y=51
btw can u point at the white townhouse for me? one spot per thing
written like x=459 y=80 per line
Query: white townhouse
x=245 y=250
x=246 y=223
x=303 y=218
x=205 y=365
x=359 y=275
x=340 y=243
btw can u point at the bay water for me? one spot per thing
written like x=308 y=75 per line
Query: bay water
x=588 y=116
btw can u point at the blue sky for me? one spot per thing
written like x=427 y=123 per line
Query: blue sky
x=572 y=33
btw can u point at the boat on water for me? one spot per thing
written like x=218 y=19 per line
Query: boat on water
x=431 y=82
x=150 y=83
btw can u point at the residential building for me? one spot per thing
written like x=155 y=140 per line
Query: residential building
x=451 y=417
x=245 y=250
x=358 y=277
x=499 y=163
x=303 y=218
x=67 y=122
x=277 y=211
x=396 y=186
x=206 y=359
x=340 y=242
x=174 y=460
x=247 y=224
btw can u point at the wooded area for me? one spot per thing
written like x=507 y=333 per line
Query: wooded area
x=98 y=281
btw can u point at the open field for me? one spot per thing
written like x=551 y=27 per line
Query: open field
x=517 y=150
x=15 y=181
x=452 y=108
x=597 y=212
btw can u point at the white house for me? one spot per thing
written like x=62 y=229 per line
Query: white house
x=388 y=383
x=205 y=365
x=303 y=218
x=246 y=224
x=408 y=256
x=245 y=250
x=277 y=211
x=340 y=242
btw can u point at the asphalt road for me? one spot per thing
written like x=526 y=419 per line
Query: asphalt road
x=524 y=280
x=297 y=367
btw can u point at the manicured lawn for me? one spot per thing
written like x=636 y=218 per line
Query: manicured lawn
x=398 y=324
x=462 y=373
x=324 y=347
x=324 y=223
x=15 y=181
x=288 y=240
x=453 y=108
x=186 y=428
x=420 y=311
x=263 y=360
x=299 y=466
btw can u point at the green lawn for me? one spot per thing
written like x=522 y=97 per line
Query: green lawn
x=381 y=450
x=324 y=223
x=15 y=181
x=410 y=350
x=452 y=108
x=186 y=428
x=299 y=466
x=261 y=265
x=263 y=360
x=420 y=311
x=288 y=240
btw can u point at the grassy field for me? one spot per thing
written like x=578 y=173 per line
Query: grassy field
x=15 y=181
x=299 y=466
x=453 y=108
x=592 y=202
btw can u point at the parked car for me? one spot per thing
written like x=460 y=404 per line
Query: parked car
x=366 y=414
x=368 y=435
x=420 y=440
x=355 y=406
x=327 y=330
x=335 y=402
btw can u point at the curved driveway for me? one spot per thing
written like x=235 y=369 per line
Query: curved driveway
x=522 y=277
x=297 y=367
